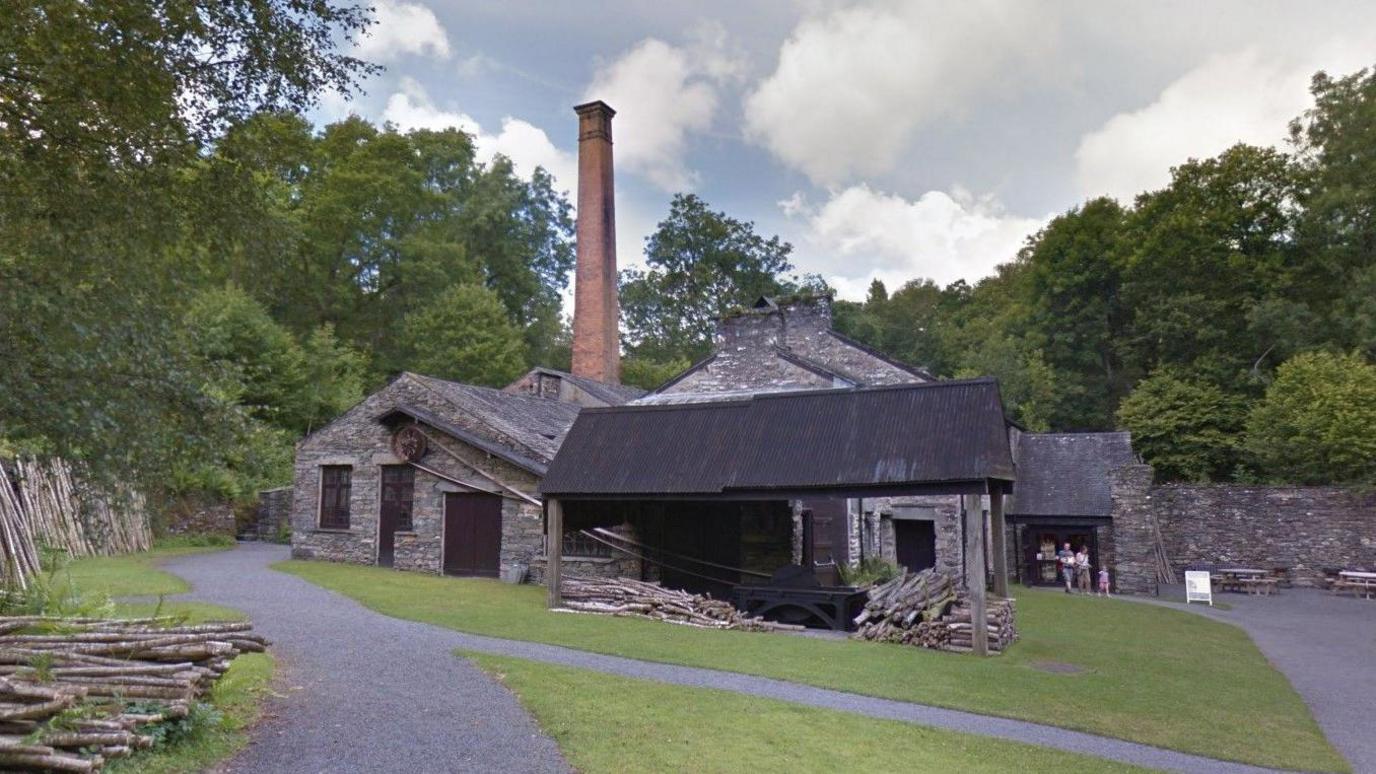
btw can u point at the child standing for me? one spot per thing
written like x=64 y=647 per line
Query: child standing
x=1103 y=580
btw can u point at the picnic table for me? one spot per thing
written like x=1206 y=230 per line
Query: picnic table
x=1356 y=581
x=1250 y=580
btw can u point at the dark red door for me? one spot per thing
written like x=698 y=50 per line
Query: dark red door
x=398 y=492
x=472 y=534
x=830 y=541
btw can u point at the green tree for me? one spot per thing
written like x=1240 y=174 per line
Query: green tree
x=700 y=264
x=649 y=374
x=1074 y=310
x=465 y=335
x=1317 y=423
x=368 y=225
x=1203 y=253
x=103 y=106
x=1186 y=429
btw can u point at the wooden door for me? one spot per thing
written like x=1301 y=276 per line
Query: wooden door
x=472 y=534
x=398 y=494
x=915 y=543
x=830 y=538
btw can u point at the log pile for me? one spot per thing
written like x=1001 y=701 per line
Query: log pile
x=46 y=504
x=627 y=597
x=75 y=692
x=927 y=610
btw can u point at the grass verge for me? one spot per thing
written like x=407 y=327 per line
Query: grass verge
x=133 y=574
x=1147 y=674
x=605 y=723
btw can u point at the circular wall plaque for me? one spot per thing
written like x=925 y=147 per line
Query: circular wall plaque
x=409 y=443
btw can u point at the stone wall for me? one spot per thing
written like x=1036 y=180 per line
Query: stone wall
x=357 y=439
x=273 y=514
x=196 y=518
x=1304 y=529
x=944 y=511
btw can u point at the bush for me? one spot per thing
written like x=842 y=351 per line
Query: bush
x=1317 y=423
x=193 y=541
x=870 y=571
x=1186 y=429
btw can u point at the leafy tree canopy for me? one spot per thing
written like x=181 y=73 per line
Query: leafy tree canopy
x=700 y=264
x=1317 y=422
x=1186 y=429
x=465 y=335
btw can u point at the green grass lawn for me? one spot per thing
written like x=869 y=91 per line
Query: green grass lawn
x=1151 y=674
x=132 y=574
x=604 y=723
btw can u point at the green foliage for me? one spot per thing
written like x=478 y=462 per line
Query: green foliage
x=1317 y=422
x=649 y=374
x=102 y=108
x=870 y=571
x=464 y=334
x=1187 y=429
x=700 y=264
x=201 y=719
x=172 y=542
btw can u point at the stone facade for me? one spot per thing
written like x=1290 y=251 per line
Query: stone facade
x=790 y=346
x=358 y=439
x=1304 y=529
x=942 y=510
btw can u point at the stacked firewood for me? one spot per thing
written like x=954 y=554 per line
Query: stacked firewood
x=627 y=597
x=75 y=692
x=47 y=504
x=927 y=610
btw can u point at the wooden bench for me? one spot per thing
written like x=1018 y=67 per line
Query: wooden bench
x=1363 y=588
x=1258 y=586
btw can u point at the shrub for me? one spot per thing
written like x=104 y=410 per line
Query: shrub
x=1317 y=423
x=1186 y=429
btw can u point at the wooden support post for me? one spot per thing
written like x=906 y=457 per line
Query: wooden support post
x=554 y=550
x=998 y=532
x=974 y=573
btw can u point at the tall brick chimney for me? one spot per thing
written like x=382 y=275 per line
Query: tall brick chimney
x=596 y=314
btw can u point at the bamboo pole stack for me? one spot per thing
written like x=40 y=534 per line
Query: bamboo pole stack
x=627 y=597
x=75 y=692
x=927 y=610
x=46 y=505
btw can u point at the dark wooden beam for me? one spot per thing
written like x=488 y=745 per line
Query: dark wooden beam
x=998 y=532
x=554 y=550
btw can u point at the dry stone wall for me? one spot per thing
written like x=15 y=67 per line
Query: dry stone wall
x=1302 y=529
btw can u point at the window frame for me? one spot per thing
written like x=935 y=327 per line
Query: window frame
x=409 y=512
x=341 y=490
x=578 y=545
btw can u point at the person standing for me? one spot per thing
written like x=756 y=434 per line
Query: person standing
x=1082 y=569
x=1103 y=580
x=1066 y=558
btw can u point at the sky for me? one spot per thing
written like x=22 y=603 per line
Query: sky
x=889 y=140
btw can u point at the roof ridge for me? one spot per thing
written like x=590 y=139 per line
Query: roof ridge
x=893 y=361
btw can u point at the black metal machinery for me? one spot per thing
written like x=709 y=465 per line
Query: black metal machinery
x=794 y=596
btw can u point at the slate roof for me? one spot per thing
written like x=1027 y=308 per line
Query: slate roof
x=838 y=440
x=531 y=426
x=1068 y=474
x=610 y=394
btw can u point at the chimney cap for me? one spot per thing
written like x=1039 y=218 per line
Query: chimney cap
x=596 y=105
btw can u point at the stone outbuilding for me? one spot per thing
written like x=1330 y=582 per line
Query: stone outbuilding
x=428 y=475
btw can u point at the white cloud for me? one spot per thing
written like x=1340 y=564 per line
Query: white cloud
x=853 y=84
x=524 y=143
x=403 y=28
x=1244 y=96
x=861 y=234
x=662 y=93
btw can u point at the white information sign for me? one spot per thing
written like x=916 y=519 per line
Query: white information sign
x=1198 y=588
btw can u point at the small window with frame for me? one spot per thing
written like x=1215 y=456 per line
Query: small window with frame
x=581 y=545
x=335 y=487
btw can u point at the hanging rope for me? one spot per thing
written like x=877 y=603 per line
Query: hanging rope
x=589 y=534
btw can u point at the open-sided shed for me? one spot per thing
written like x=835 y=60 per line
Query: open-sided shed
x=933 y=438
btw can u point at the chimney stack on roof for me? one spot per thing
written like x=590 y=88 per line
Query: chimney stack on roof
x=596 y=313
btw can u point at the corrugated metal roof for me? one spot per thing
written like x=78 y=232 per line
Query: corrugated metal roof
x=820 y=439
x=1068 y=474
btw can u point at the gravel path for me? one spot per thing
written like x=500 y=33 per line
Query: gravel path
x=1326 y=645
x=363 y=692
x=381 y=694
